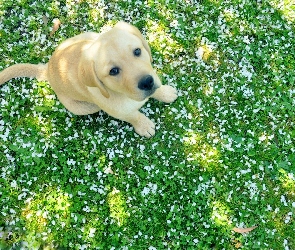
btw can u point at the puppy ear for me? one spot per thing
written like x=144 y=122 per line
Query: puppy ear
x=133 y=30
x=87 y=75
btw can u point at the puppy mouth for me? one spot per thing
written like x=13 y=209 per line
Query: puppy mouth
x=148 y=93
x=144 y=94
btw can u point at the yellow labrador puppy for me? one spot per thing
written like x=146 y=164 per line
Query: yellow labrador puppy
x=110 y=72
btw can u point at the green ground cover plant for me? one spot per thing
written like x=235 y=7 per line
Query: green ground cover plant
x=223 y=157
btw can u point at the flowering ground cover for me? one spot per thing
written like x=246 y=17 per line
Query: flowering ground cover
x=222 y=161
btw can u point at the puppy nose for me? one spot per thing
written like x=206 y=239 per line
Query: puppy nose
x=146 y=83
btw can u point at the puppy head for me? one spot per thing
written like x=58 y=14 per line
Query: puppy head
x=120 y=61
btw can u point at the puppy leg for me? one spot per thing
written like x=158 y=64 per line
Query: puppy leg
x=78 y=107
x=142 y=125
x=165 y=93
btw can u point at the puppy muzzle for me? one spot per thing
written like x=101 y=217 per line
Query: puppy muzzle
x=147 y=85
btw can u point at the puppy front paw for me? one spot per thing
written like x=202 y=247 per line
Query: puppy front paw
x=166 y=94
x=144 y=126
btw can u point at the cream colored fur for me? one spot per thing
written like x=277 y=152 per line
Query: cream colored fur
x=79 y=73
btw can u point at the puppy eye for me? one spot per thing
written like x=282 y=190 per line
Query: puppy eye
x=137 y=52
x=114 y=71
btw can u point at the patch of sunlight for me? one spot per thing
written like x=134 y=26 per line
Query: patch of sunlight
x=200 y=151
x=97 y=13
x=207 y=53
x=229 y=15
x=204 y=52
x=48 y=97
x=264 y=138
x=220 y=214
x=102 y=161
x=209 y=88
x=192 y=138
x=93 y=230
x=74 y=2
x=38 y=208
x=44 y=88
x=43 y=124
x=51 y=207
x=107 y=26
x=286 y=7
x=287 y=180
x=235 y=25
x=118 y=207
x=158 y=36
x=208 y=156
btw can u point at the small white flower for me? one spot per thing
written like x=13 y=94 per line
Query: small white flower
x=195 y=241
x=145 y=191
x=288 y=218
x=86 y=209
x=21 y=196
x=153 y=187
x=262 y=138
x=174 y=24
x=286 y=244
x=12 y=211
x=283 y=200
x=200 y=52
x=71 y=162
x=45 y=214
x=13 y=184
x=92 y=232
x=108 y=170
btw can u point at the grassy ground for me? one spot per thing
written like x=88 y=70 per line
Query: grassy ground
x=223 y=156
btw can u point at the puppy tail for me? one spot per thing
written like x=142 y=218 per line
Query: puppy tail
x=38 y=71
